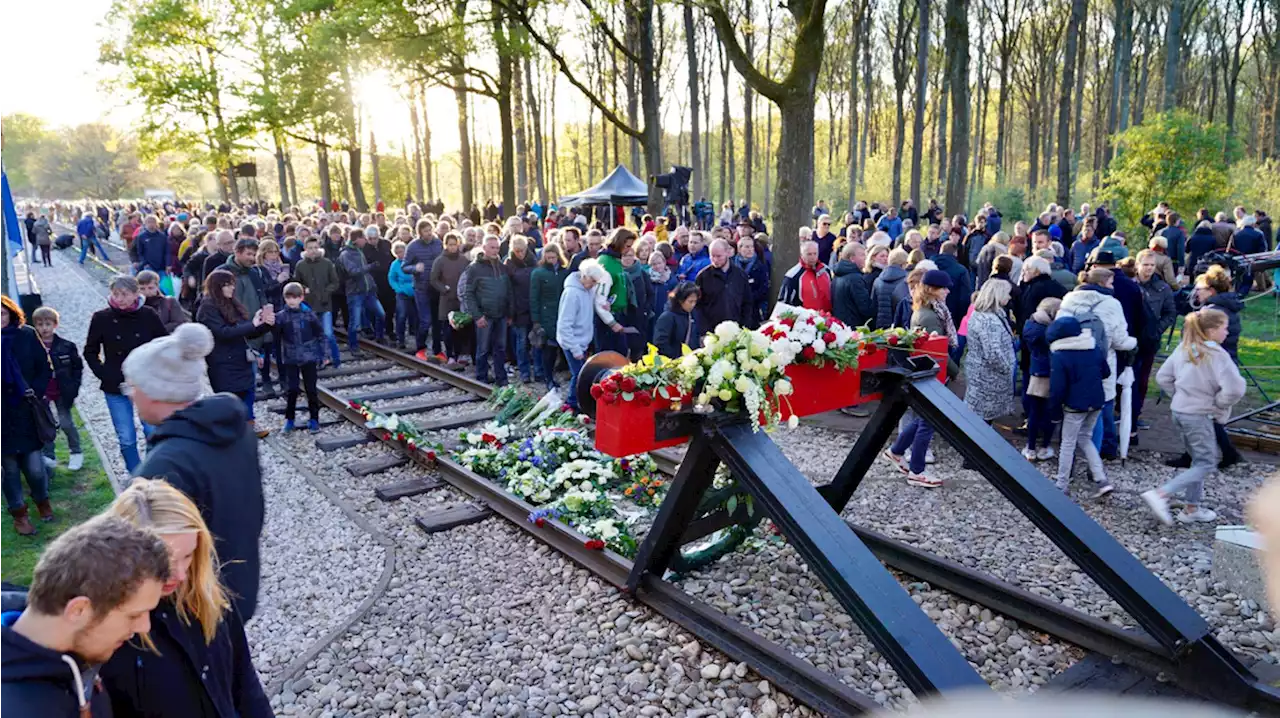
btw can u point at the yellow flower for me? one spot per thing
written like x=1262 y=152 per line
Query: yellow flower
x=725 y=395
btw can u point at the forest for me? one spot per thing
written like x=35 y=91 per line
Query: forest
x=1011 y=101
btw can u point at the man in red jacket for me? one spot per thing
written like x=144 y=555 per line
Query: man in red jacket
x=808 y=284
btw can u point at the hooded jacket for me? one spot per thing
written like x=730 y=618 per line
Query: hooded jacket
x=39 y=681
x=1078 y=367
x=1098 y=300
x=321 y=279
x=887 y=292
x=356 y=268
x=153 y=249
x=850 y=301
x=42 y=233
x=809 y=287
x=207 y=451
x=575 y=324
x=693 y=264
x=424 y=252
x=1209 y=388
x=546 y=284
x=445 y=273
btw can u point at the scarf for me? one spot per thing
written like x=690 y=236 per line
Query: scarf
x=944 y=317
x=274 y=268
x=660 y=274
x=125 y=308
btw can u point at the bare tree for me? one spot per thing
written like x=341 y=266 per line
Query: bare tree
x=1064 y=102
x=922 y=81
x=1172 y=53
x=957 y=60
x=898 y=36
x=695 y=136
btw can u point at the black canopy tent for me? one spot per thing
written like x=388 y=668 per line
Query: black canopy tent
x=619 y=188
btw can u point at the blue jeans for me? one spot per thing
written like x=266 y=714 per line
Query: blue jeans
x=121 y=409
x=358 y=305
x=97 y=246
x=326 y=320
x=1105 y=436
x=31 y=464
x=407 y=314
x=575 y=366
x=520 y=340
x=917 y=435
x=491 y=345
x=425 y=302
x=248 y=397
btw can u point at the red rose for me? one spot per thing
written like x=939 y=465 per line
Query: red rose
x=643 y=397
x=829 y=337
x=789 y=322
x=893 y=340
x=609 y=397
x=595 y=544
x=488 y=438
x=628 y=383
x=539 y=522
x=431 y=456
x=596 y=391
x=808 y=353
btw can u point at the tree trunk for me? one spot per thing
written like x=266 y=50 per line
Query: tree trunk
x=922 y=79
x=536 y=113
x=1002 y=130
x=957 y=58
x=555 y=152
x=326 y=187
x=517 y=118
x=282 y=174
x=1064 y=102
x=724 y=131
x=1172 y=47
x=293 y=180
x=1078 y=129
x=464 y=146
x=853 y=119
x=899 y=129
x=506 y=85
x=417 y=145
x=428 y=166
x=1124 y=59
x=942 y=130
x=377 y=176
x=768 y=108
x=748 y=105
x=867 y=94
x=695 y=136
x=633 y=93
x=649 y=108
x=727 y=129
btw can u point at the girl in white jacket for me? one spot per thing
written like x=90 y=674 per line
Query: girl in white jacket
x=1205 y=384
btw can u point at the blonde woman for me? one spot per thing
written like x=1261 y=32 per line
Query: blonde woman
x=195 y=660
x=1205 y=383
x=989 y=357
x=877 y=260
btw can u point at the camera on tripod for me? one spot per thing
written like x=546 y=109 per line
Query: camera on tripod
x=674 y=184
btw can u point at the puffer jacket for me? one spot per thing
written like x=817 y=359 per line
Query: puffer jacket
x=1035 y=339
x=1098 y=300
x=356 y=270
x=546 y=284
x=887 y=292
x=302 y=335
x=521 y=273
x=1078 y=367
x=488 y=289
x=1230 y=303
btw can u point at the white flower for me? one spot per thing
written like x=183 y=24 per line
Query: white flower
x=727 y=330
x=793 y=422
x=759 y=342
x=743 y=385
x=782 y=387
x=819 y=346
x=605 y=529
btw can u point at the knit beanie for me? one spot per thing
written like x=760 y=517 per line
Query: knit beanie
x=171 y=369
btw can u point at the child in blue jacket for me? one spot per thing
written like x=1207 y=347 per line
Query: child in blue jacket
x=402 y=283
x=1077 y=367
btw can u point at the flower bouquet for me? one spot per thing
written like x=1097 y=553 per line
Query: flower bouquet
x=459 y=320
x=740 y=371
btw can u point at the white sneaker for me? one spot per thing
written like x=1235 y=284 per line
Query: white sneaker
x=1102 y=491
x=1029 y=454
x=923 y=480
x=1045 y=453
x=928 y=456
x=76 y=463
x=50 y=463
x=1158 y=505
x=1200 y=515
x=897 y=461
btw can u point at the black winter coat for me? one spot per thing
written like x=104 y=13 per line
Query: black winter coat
x=38 y=683
x=726 y=296
x=189 y=679
x=1034 y=292
x=961 y=285
x=17 y=419
x=68 y=368
x=674 y=329
x=114 y=333
x=230 y=367
x=521 y=273
x=1232 y=305
x=1200 y=243
x=207 y=451
x=889 y=289
x=850 y=299
x=301 y=336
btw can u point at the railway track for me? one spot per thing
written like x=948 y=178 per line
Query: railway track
x=1114 y=645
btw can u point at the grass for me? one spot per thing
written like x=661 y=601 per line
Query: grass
x=75 y=496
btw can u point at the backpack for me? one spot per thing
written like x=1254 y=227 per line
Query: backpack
x=1092 y=322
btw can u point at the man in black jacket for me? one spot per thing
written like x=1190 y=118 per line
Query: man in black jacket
x=726 y=293
x=93 y=589
x=850 y=298
x=204 y=447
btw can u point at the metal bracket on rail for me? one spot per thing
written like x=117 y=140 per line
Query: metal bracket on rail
x=809 y=517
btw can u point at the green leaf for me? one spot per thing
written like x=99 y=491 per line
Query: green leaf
x=662 y=392
x=732 y=504
x=628 y=396
x=751 y=505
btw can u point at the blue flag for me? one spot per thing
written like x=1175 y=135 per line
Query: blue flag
x=10 y=216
